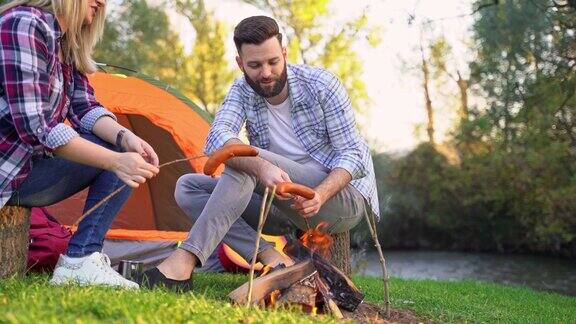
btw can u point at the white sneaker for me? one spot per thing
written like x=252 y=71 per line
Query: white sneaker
x=93 y=270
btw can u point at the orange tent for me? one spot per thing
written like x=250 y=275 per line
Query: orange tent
x=150 y=224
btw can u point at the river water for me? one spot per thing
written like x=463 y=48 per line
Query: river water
x=537 y=272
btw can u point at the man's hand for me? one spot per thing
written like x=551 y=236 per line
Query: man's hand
x=308 y=207
x=336 y=180
x=269 y=174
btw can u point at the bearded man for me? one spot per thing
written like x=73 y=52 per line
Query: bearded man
x=301 y=120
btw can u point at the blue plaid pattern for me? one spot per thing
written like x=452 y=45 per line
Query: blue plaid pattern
x=323 y=121
x=36 y=96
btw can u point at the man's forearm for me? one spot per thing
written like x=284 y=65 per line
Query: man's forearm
x=336 y=180
x=251 y=164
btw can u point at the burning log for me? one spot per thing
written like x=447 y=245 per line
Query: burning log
x=301 y=293
x=276 y=280
x=327 y=296
x=343 y=290
x=311 y=283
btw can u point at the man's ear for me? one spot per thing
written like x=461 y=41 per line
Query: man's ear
x=239 y=62
x=284 y=53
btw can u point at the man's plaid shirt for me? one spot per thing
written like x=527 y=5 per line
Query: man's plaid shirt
x=322 y=119
x=33 y=102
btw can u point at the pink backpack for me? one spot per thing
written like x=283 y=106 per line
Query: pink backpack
x=48 y=239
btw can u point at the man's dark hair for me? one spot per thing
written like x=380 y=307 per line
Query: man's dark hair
x=256 y=30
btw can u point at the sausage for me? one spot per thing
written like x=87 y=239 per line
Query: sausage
x=225 y=153
x=284 y=188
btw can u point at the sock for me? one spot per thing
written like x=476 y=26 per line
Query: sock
x=73 y=260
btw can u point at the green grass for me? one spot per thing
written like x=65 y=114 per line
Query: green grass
x=32 y=300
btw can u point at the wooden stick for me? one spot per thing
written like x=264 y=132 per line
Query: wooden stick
x=115 y=192
x=100 y=203
x=269 y=204
x=372 y=226
x=181 y=160
x=256 y=247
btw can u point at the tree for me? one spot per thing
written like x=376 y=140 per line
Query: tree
x=427 y=98
x=514 y=189
x=138 y=36
x=444 y=65
x=310 y=40
x=525 y=70
x=210 y=74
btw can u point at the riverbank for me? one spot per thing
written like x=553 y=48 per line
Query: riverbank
x=33 y=300
x=533 y=271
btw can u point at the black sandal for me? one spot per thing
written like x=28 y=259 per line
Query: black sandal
x=153 y=278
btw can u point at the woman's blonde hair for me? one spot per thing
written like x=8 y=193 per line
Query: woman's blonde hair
x=79 y=39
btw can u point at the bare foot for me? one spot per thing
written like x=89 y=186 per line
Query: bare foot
x=179 y=265
x=272 y=258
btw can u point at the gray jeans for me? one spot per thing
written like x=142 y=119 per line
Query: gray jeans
x=227 y=208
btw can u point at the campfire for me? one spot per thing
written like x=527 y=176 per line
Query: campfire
x=312 y=284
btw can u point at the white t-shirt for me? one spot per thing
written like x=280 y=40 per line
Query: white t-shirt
x=283 y=140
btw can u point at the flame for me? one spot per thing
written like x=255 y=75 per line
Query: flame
x=273 y=297
x=317 y=241
x=265 y=270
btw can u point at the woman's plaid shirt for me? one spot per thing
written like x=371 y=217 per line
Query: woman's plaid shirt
x=33 y=102
x=322 y=119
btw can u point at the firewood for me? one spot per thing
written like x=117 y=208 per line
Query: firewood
x=279 y=279
x=299 y=294
x=344 y=292
x=327 y=296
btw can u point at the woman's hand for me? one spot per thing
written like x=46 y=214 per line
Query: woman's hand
x=133 y=143
x=132 y=169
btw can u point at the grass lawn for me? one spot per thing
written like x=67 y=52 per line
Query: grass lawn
x=32 y=300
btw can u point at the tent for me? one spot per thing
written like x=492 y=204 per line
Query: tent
x=150 y=225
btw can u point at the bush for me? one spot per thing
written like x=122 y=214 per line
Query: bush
x=521 y=201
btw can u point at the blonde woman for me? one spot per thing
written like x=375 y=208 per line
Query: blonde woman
x=45 y=54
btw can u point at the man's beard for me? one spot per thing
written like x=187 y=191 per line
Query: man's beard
x=276 y=89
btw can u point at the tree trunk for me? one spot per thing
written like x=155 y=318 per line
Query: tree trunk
x=14 y=227
x=341 y=252
x=463 y=87
x=428 y=101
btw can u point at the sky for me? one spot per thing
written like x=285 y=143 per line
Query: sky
x=397 y=103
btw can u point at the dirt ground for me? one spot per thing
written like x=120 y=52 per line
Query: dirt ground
x=370 y=313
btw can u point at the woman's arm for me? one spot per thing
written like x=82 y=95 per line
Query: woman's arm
x=25 y=54
x=130 y=167
x=87 y=114
x=108 y=129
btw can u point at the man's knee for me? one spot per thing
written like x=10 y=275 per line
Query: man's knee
x=343 y=224
x=235 y=172
x=187 y=187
